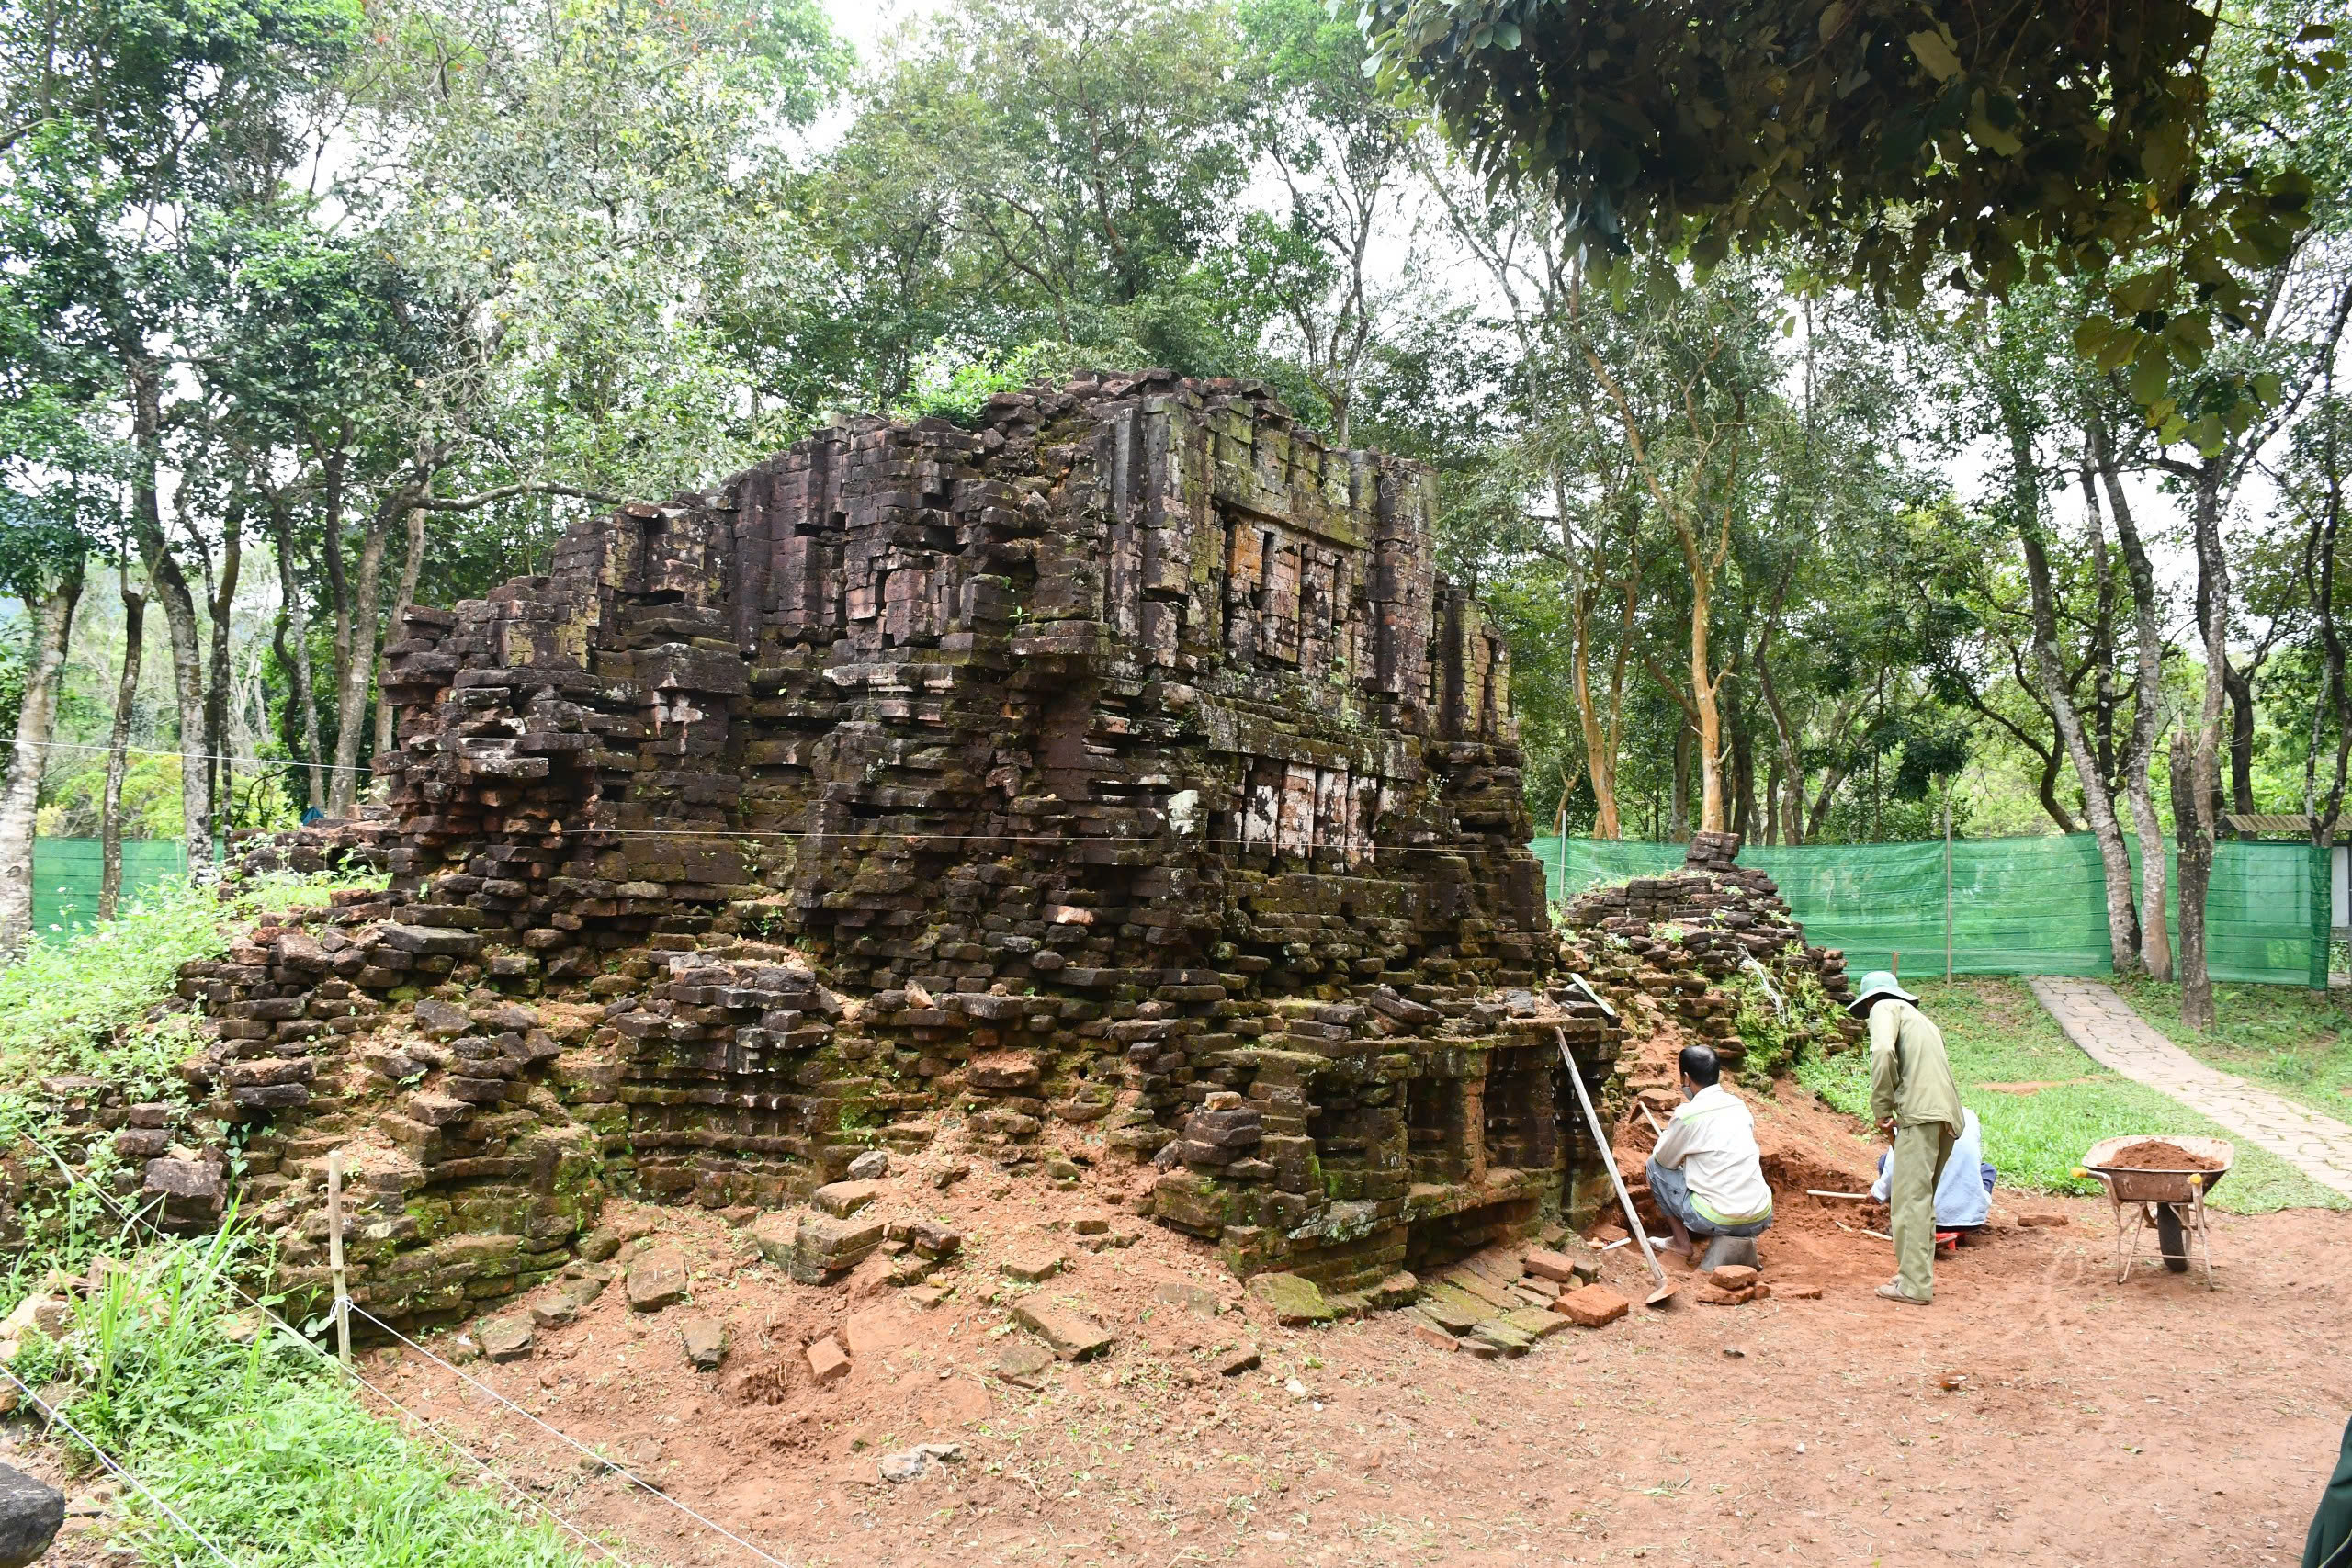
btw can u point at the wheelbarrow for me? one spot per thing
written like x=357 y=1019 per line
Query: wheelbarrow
x=2171 y=1203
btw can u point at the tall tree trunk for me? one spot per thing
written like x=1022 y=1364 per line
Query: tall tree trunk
x=2239 y=686
x=219 y=776
x=1743 y=778
x=358 y=673
x=126 y=696
x=1791 y=770
x=2099 y=806
x=36 y=724
x=416 y=515
x=2149 y=719
x=292 y=635
x=170 y=585
x=1678 y=828
x=2335 y=699
x=2196 y=830
x=2196 y=872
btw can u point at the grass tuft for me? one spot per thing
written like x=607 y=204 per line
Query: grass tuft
x=255 y=1441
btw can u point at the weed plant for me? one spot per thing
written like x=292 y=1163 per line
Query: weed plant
x=255 y=1440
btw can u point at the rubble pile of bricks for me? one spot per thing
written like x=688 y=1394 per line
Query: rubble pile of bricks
x=1116 y=783
x=1678 y=940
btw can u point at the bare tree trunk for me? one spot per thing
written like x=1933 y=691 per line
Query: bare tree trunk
x=2149 y=719
x=126 y=696
x=1678 y=828
x=407 y=597
x=292 y=636
x=36 y=723
x=2196 y=872
x=358 y=673
x=2099 y=806
x=217 y=768
x=2196 y=830
x=170 y=585
x=2239 y=686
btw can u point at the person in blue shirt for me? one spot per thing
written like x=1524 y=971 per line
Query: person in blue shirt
x=1965 y=1196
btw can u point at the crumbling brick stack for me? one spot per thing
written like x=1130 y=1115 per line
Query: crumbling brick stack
x=1116 y=781
x=1679 y=939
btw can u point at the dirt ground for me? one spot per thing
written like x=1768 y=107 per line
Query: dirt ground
x=2039 y=1411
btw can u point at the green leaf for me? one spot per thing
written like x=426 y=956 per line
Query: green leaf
x=1935 y=54
x=2091 y=335
x=1831 y=14
x=2151 y=372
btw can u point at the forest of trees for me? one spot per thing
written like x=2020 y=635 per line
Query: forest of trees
x=315 y=308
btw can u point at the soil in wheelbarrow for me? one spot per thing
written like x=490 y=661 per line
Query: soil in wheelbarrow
x=2154 y=1154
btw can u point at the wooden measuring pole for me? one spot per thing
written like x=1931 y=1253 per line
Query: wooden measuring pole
x=335 y=1258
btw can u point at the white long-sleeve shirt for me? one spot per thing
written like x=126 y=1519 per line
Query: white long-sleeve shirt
x=1712 y=1140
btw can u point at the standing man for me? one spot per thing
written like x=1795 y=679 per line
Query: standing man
x=1914 y=1099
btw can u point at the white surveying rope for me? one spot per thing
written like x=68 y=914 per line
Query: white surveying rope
x=586 y=1451
x=104 y=1458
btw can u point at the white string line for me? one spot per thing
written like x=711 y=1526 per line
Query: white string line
x=104 y=1458
x=347 y=1304
x=585 y=1450
x=484 y=1465
x=299 y=1337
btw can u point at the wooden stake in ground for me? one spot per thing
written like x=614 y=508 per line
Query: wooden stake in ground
x=335 y=1258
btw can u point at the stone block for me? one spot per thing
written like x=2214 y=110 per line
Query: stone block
x=656 y=1280
x=1295 y=1299
x=705 y=1342
x=503 y=1338
x=1068 y=1335
x=843 y=1198
x=828 y=1362
x=1594 y=1306
x=31 y=1513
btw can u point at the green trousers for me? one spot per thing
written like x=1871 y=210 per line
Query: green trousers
x=1920 y=1154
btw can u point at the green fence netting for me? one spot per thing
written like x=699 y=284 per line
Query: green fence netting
x=66 y=873
x=2019 y=906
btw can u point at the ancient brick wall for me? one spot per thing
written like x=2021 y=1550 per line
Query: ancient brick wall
x=1117 y=782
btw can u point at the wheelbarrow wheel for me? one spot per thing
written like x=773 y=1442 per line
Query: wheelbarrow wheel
x=2172 y=1237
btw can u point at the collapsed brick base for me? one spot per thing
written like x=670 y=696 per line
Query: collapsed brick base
x=1678 y=940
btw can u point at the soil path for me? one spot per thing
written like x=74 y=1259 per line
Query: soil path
x=2103 y=1024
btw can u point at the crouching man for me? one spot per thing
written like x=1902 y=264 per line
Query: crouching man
x=1707 y=1174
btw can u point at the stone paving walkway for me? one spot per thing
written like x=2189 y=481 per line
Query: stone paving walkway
x=2110 y=1034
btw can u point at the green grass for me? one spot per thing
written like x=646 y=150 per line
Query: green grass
x=87 y=1001
x=1996 y=1034
x=259 y=1447
x=2290 y=1040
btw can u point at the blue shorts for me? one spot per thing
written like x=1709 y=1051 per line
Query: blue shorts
x=1672 y=1191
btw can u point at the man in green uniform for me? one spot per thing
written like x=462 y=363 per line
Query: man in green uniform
x=1914 y=1097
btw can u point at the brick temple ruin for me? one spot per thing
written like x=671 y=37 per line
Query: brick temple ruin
x=1115 y=783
